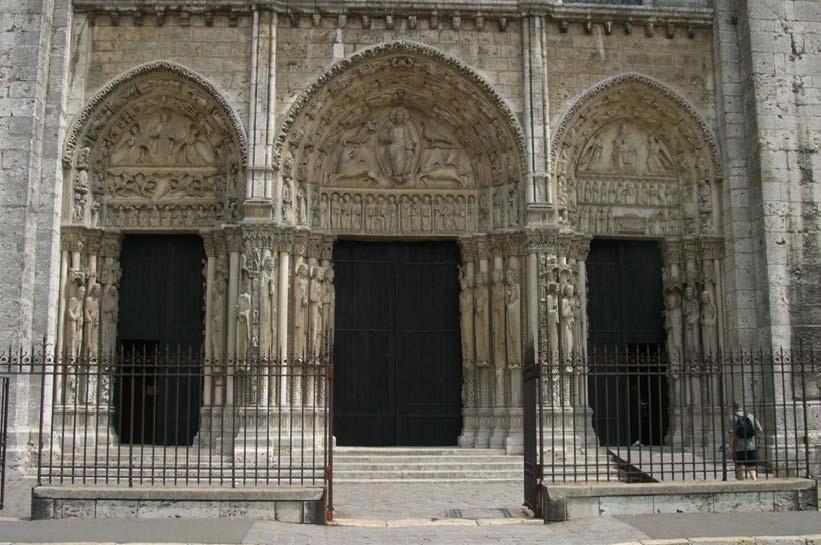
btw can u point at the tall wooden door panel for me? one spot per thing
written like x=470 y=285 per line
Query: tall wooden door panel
x=398 y=371
x=625 y=312
x=161 y=311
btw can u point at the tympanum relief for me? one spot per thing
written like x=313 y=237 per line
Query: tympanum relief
x=159 y=151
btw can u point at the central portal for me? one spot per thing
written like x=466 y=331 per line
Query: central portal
x=397 y=349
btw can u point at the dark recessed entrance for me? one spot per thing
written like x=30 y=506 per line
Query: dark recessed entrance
x=397 y=352
x=158 y=388
x=628 y=396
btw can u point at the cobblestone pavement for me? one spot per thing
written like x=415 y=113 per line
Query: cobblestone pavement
x=428 y=500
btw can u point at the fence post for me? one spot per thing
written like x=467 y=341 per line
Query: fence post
x=42 y=408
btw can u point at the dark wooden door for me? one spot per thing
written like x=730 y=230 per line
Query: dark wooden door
x=396 y=347
x=159 y=389
x=627 y=389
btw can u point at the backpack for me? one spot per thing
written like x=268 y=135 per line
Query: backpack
x=744 y=428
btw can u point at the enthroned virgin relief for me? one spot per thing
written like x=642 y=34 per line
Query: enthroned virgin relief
x=632 y=158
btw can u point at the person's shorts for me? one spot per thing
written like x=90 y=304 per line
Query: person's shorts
x=745 y=457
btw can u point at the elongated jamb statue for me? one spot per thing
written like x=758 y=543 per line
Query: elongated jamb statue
x=708 y=324
x=91 y=320
x=267 y=304
x=568 y=320
x=328 y=302
x=243 y=326
x=466 y=309
x=300 y=311
x=513 y=303
x=217 y=319
x=692 y=318
x=74 y=330
x=315 y=302
x=480 y=320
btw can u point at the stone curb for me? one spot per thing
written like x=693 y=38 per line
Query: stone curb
x=806 y=539
x=406 y=523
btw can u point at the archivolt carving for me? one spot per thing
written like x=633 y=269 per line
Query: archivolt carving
x=401 y=138
x=631 y=157
x=157 y=147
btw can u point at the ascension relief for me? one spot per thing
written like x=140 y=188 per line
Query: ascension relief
x=159 y=150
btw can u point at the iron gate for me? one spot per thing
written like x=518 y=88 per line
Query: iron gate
x=533 y=450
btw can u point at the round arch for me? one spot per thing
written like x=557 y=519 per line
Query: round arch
x=631 y=157
x=157 y=147
x=401 y=138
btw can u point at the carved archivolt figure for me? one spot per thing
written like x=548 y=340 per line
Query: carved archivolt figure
x=243 y=326
x=301 y=204
x=513 y=205
x=267 y=306
x=513 y=302
x=91 y=318
x=218 y=319
x=691 y=322
x=466 y=309
x=286 y=200
x=708 y=323
x=315 y=296
x=300 y=310
x=568 y=319
x=328 y=302
x=480 y=319
x=74 y=329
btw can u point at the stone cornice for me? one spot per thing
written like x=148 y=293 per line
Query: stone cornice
x=682 y=15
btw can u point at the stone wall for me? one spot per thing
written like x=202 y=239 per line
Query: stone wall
x=780 y=44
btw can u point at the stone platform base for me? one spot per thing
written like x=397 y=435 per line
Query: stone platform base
x=562 y=502
x=285 y=504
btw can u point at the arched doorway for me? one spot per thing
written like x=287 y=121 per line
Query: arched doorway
x=400 y=143
x=156 y=158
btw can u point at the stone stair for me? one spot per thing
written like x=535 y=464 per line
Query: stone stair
x=404 y=464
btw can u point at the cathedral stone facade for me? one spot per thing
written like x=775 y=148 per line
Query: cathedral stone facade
x=523 y=133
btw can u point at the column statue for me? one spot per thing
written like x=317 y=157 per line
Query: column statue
x=328 y=301
x=497 y=302
x=300 y=311
x=466 y=309
x=673 y=323
x=267 y=304
x=243 y=327
x=513 y=302
x=74 y=334
x=480 y=319
x=568 y=320
x=553 y=321
x=315 y=301
x=691 y=323
x=217 y=319
x=708 y=324
x=91 y=321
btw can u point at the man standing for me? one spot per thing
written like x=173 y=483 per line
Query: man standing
x=743 y=429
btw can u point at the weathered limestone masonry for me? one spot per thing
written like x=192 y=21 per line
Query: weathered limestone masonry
x=521 y=129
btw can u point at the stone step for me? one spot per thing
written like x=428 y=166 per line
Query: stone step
x=428 y=474
x=416 y=451
x=423 y=459
x=431 y=465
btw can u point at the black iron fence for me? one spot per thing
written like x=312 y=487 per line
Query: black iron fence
x=4 y=435
x=632 y=414
x=173 y=418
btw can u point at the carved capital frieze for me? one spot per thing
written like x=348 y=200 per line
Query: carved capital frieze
x=300 y=242
x=93 y=241
x=233 y=239
x=468 y=249
x=111 y=244
x=567 y=245
x=712 y=248
x=672 y=252
x=544 y=241
x=326 y=249
x=582 y=247
x=72 y=238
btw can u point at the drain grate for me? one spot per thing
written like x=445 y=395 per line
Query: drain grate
x=479 y=513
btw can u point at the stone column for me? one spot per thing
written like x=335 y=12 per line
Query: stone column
x=234 y=240
x=470 y=419
x=210 y=270
x=498 y=350
x=282 y=317
x=515 y=326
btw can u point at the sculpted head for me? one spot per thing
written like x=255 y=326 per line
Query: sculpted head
x=268 y=264
x=81 y=292
x=399 y=116
x=689 y=292
x=329 y=276
x=705 y=297
x=302 y=270
x=481 y=280
x=511 y=276
x=317 y=273
x=497 y=276
x=569 y=290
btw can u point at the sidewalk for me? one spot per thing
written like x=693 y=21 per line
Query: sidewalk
x=593 y=531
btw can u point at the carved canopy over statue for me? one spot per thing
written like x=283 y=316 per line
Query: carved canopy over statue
x=157 y=148
x=402 y=139
x=631 y=157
